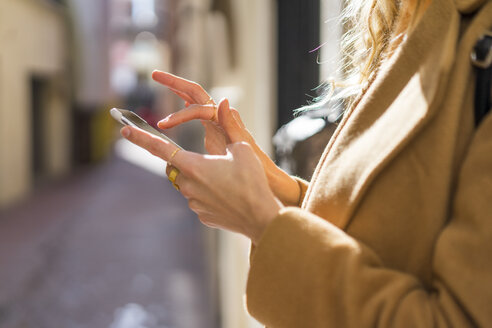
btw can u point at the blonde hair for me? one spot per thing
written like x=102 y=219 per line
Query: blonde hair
x=374 y=30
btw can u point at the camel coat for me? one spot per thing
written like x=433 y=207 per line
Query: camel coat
x=395 y=228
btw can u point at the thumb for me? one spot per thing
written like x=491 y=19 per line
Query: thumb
x=228 y=122
x=243 y=152
x=239 y=149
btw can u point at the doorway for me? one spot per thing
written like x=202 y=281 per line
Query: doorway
x=298 y=70
x=39 y=87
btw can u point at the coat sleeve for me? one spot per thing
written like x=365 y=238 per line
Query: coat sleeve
x=306 y=272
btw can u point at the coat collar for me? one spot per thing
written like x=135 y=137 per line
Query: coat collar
x=396 y=107
x=468 y=6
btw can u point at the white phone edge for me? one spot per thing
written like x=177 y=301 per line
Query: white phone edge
x=118 y=116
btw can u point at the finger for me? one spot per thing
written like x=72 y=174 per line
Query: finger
x=192 y=89
x=178 y=178
x=201 y=211
x=238 y=147
x=228 y=122
x=192 y=112
x=187 y=187
x=215 y=140
x=239 y=121
x=156 y=146
x=243 y=151
x=168 y=169
x=183 y=96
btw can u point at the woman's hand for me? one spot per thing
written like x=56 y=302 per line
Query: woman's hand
x=223 y=126
x=226 y=191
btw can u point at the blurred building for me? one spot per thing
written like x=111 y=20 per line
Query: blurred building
x=92 y=94
x=35 y=96
x=62 y=65
x=54 y=91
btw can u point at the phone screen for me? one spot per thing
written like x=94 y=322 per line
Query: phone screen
x=127 y=117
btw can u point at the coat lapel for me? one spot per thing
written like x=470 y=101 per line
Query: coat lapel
x=402 y=99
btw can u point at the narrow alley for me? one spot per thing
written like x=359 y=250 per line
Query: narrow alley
x=114 y=246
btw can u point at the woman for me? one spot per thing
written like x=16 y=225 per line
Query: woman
x=395 y=228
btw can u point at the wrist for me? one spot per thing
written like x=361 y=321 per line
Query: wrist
x=268 y=214
x=285 y=187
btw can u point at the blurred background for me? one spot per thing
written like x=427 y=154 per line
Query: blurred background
x=91 y=232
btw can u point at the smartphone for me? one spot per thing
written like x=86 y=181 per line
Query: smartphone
x=127 y=117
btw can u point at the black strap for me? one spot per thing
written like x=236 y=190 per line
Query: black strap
x=481 y=58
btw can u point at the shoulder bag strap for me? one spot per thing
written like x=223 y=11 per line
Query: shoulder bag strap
x=481 y=58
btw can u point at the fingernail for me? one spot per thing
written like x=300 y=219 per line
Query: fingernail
x=223 y=102
x=163 y=121
x=125 y=132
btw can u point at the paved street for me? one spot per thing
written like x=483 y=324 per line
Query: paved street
x=113 y=246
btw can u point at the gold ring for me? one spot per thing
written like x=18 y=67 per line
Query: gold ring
x=172 y=155
x=214 y=117
x=210 y=101
x=214 y=105
x=172 y=177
